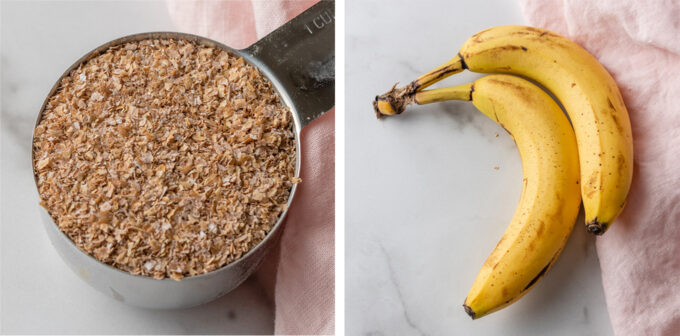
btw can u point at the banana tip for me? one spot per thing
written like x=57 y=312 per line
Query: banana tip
x=469 y=311
x=596 y=228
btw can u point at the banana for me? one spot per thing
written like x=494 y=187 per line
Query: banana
x=550 y=198
x=583 y=86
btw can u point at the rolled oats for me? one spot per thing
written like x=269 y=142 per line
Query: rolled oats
x=165 y=158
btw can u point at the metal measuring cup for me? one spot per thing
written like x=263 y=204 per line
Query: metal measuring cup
x=299 y=59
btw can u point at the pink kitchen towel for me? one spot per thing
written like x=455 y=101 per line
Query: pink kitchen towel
x=300 y=276
x=639 y=43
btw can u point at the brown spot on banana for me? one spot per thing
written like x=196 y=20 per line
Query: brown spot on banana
x=482 y=32
x=521 y=33
x=549 y=34
x=462 y=61
x=442 y=73
x=616 y=122
x=542 y=272
x=620 y=163
x=611 y=106
x=613 y=112
x=490 y=263
x=590 y=193
x=538 y=276
x=509 y=47
x=557 y=216
x=591 y=185
x=500 y=241
x=530 y=31
x=535 y=30
x=492 y=51
x=541 y=229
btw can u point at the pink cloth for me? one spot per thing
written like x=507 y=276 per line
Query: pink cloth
x=639 y=43
x=236 y=23
x=305 y=292
x=300 y=275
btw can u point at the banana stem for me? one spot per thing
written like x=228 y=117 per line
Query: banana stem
x=453 y=66
x=386 y=107
x=460 y=92
x=396 y=99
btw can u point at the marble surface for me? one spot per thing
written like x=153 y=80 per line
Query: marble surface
x=425 y=205
x=40 y=295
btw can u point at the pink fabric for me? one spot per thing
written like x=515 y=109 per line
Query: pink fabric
x=237 y=23
x=300 y=276
x=305 y=291
x=639 y=43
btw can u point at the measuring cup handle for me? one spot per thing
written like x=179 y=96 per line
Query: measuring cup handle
x=301 y=56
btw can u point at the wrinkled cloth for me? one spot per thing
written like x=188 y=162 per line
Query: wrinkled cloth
x=300 y=274
x=639 y=43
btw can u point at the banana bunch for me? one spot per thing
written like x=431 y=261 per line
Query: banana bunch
x=595 y=156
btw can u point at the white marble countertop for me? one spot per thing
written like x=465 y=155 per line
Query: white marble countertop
x=40 y=295
x=425 y=205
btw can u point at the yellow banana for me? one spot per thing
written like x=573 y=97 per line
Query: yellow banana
x=583 y=86
x=550 y=198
